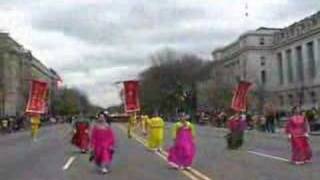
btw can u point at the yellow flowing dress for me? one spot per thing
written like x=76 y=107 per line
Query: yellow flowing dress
x=144 y=120
x=35 y=123
x=155 y=133
x=131 y=124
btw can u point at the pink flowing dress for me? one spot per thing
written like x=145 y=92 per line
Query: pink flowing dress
x=81 y=137
x=183 y=151
x=297 y=127
x=102 y=143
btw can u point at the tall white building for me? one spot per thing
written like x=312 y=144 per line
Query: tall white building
x=282 y=63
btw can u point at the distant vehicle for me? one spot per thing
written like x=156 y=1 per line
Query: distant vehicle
x=119 y=117
x=315 y=126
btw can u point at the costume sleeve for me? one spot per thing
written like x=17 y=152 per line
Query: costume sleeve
x=174 y=130
x=161 y=124
x=92 y=136
x=113 y=138
x=307 y=126
x=193 y=130
x=288 y=126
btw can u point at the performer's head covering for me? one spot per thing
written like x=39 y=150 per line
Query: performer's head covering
x=155 y=114
x=183 y=116
x=104 y=117
x=296 y=110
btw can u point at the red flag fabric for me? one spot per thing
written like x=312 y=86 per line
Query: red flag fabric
x=37 y=97
x=131 y=96
x=239 y=100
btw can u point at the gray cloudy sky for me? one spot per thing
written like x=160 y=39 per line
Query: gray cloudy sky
x=93 y=43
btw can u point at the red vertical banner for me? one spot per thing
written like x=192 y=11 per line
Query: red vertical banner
x=37 y=97
x=131 y=96
x=239 y=100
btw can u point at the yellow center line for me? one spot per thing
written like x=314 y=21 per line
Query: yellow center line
x=191 y=172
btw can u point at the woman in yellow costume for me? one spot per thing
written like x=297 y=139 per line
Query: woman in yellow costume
x=131 y=123
x=155 y=127
x=35 y=125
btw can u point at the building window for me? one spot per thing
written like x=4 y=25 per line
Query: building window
x=281 y=99
x=311 y=60
x=280 y=68
x=289 y=63
x=263 y=77
x=313 y=97
x=261 y=41
x=301 y=98
x=300 y=70
x=290 y=97
x=262 y=60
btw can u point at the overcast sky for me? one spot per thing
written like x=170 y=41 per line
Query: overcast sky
x=93 y=43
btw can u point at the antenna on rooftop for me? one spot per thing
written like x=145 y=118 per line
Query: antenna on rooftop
x=246 y=10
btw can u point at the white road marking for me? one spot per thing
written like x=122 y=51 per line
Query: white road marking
x=69 y=162
x=191 y=173
x=186 y=173
x=192 y=170
x=269 y=156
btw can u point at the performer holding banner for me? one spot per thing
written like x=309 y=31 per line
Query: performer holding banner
x=35 y=126
x=297 y=129
x=131 y=103
x=81 y=134
x=36 y=104
x=237 y=123
x=131 y=124
x=182 y=153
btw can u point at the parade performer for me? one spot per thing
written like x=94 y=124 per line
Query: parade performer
x=182 y=153
x=131 y=124
x=236 y=126
x=155 y=127
x=35 y=126
x=81 y=135
x=102 y=143
x=144 y=120
x=297 y=129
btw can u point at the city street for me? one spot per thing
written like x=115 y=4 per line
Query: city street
x=53 y=158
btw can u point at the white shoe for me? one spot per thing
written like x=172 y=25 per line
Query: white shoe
x=173 y=165
x=298 y=162
x=104 y=170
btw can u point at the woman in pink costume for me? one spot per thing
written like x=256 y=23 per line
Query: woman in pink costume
x=297 y=129
x=182 y=153
x=102 y=143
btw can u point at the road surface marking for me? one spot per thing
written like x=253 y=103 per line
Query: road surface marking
x=192 y=170
x=269 y=156
x=186 y=173
x=69 y=162
x=191 y=173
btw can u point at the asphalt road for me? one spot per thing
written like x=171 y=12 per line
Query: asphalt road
x=263 y=157
x=20 y=158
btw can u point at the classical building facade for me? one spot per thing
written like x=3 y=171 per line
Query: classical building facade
x=282 y=63
x=17 y=67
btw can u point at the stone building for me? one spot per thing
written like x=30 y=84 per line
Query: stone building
x=17 y=67
x=296 y=61
x=282 y=63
